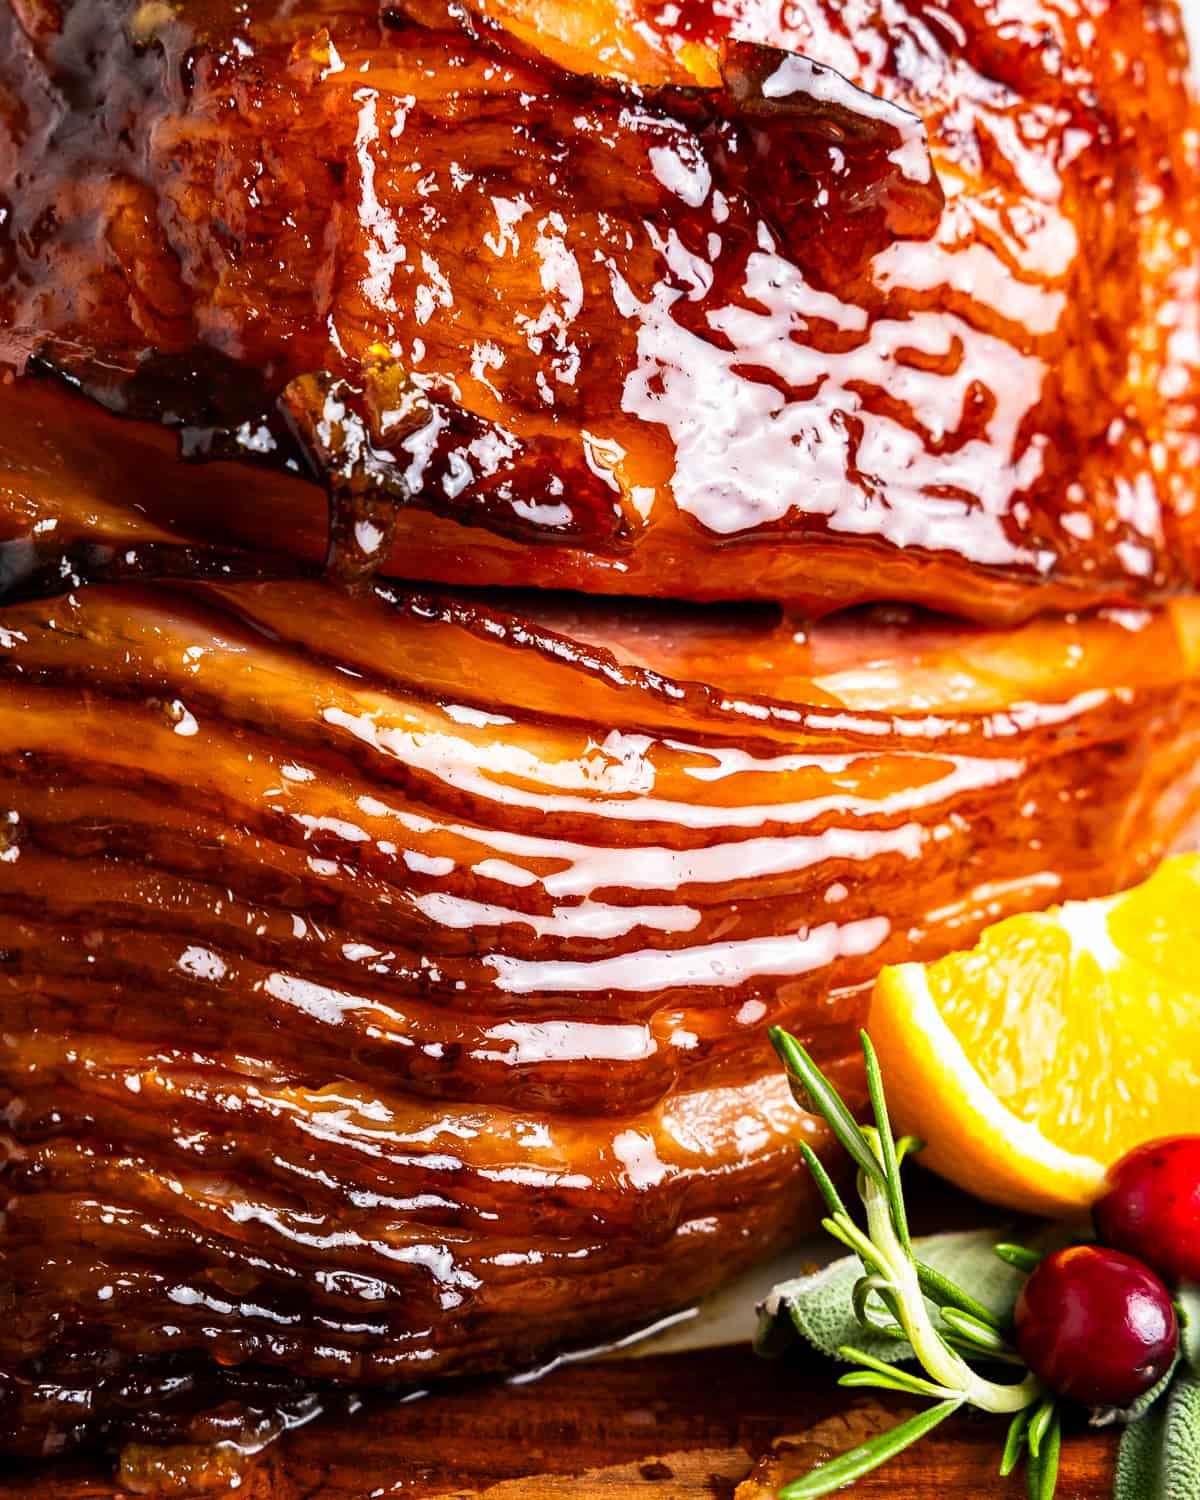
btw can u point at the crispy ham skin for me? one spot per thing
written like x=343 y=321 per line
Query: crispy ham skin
x=386 y=980
x=824 y=303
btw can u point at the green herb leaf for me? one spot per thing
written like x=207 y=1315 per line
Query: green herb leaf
x=842 y=1227
x=1041 y=1477
x=850 y=1466
x=1159 y=1457
x=861 y=1298
x=1187 y=1302
x=823 y=1180
x=1138 y=1457
x=982 y=1335
x=1018 y=1257
x=821 y=1098
x=887 y=1142
x=1014 y=1443
x=819 y=1308
x=1038 y=1425
x=897 y=1382
x=916 y=1383
x=943 y=1292
x=972 y=1351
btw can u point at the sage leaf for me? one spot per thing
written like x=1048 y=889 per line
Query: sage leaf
x=1181 y=1442
x=819 y=1308
x=1137 y=1458
x=1106 y=1416
x=1159 y=1456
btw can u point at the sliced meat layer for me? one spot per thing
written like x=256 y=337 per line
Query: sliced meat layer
x=386 y=980
x=865 y=303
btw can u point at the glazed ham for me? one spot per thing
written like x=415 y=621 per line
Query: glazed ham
x=458 y=465
x=386 y=979
x=824 y=304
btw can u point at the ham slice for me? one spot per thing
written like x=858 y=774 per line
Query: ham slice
x=386 y=979
x=826 y=304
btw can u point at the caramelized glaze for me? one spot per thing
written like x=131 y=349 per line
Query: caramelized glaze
x=385 y=969
x=386 y=979
x=871 y=302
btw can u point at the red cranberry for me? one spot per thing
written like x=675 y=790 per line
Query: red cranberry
x=1096 y=1325
x=1151 y=1208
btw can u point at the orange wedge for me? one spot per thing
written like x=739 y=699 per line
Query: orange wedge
x=1033 y=1062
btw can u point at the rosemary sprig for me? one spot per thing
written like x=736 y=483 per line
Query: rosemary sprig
x=947 y=1331
x=981 y=1335
x=850 y=1466
x=1039 y=1425
x=887 y=1146
x=1014 y=1443
x=817 y=1095
x=897 y=1296
x=1041 y=1474
x=945 y=1293
x=1019 y=1257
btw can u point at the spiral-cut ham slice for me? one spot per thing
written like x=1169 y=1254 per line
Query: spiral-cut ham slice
x=866 y=302
x=385 y=980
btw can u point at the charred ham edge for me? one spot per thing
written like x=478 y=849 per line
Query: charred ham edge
x=32 y=569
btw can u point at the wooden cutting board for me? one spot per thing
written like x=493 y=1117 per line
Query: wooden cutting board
x=703 y=1425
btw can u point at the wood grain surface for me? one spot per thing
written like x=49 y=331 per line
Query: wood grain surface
x=707 y=1425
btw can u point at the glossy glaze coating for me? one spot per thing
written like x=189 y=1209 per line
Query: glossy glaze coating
x=386 y=979
x=716 y=323
x=385 y=974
